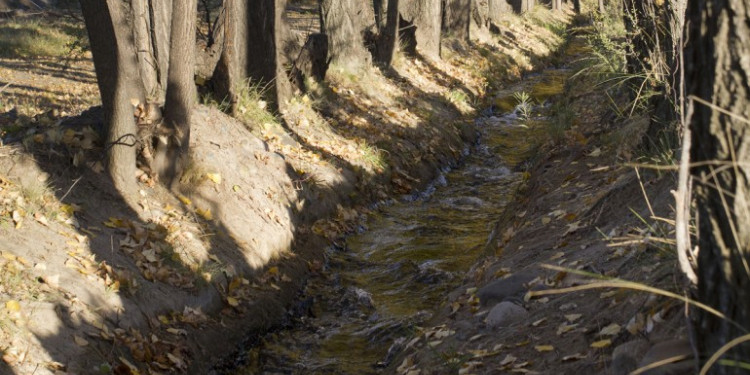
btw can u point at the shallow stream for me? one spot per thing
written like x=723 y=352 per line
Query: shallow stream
x=388 y=280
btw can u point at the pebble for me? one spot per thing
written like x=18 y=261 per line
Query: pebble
x=568 y=306
x=625 y=357
x=512 y=287
x=669 y=349
x=505 y=314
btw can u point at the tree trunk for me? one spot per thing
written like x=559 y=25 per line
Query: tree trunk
x=344 y=22
x=151 y=29
x=479 y=24
x=602 y=9
x=252 y=50
x=718 y=69
x=387 y=42
x=425 y=17
x=456 y=18
x=120 y=85
x=172 y=146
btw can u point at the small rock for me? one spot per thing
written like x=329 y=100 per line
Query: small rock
x=568 y=306
x=505 y=314
x=670 y=349
x=625 y=357
x=499 y=290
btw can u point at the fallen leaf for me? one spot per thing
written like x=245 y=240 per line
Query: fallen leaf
x=564 y=328
x=546 y=220
x=573 y=357
x=41 y=219
x=607 y=294
x=538 y=322
x=13 y=306
x=508 y=360
x=215 y=177
x=150 y=255
x=176 y=331
x=80 y=341
x=557 y=255
x=185 y=200
x=636 y=324
x=601 y=344
x=573 y=317
x=610 y=330
x=205 y=213
x=233 y=301
x=17 y=216
x=544 y=348
x=572 y=227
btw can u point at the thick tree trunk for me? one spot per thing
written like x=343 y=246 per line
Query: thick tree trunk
x=344 y=21
x=387 y=42
x=120 y=85
x=479 y=24
x=718 y=71
x=252 y=50
x=456 y=18
x=425 y=17
x=602 y=9
x=172 y=146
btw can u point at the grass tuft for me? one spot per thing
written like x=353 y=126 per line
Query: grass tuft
x=27 y=38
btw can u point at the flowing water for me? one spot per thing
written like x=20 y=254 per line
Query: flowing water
x=390 y=278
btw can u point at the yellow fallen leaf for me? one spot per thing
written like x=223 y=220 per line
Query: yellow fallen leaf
x=546 y=220
x=13 y=306
x=205 y=213
x=233 y=301
x=273 y=270
x=601 y=344
x=544 y=348
x=234 y=284
x=185 y=200
x=114 y=222
x=215 y=177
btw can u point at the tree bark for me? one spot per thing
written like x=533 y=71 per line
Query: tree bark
x=718 y=69
x=387 y=42
x=252 y=50
x=344 y=22
x=479 y=24
x=151 y=29
x=425 y=16
x=456 y=18
x=120 y=85
x=172 y=146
